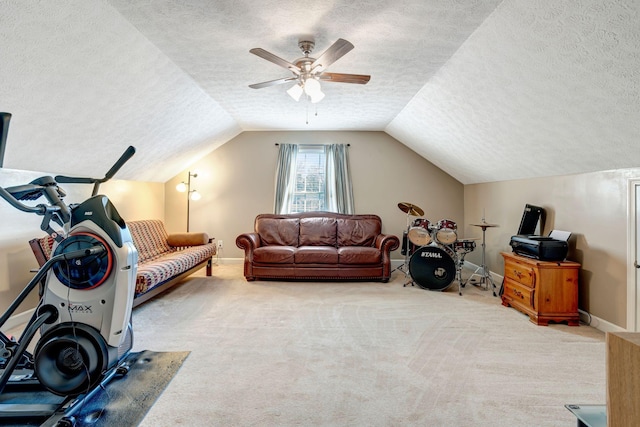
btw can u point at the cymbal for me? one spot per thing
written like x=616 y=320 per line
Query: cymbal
x=410 y=208
x=485 y=225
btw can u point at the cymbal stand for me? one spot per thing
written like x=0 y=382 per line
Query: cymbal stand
x=485 y=277
x=404 y=267
x=459 y=265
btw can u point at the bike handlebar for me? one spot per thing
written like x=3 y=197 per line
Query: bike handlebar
x=129 y=152
x=39 y=209
x=48 y=186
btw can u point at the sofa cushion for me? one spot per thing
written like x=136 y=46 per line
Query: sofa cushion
x=278 y=231
x=318 y=231
x=150 y=239
x=316 y=255
x=166 y=267
x=358 y=232
x=274 y=254
x=359 y=255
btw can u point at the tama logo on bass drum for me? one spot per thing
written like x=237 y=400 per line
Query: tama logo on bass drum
x=431 y=255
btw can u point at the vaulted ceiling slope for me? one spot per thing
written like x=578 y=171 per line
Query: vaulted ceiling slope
x=487 y=90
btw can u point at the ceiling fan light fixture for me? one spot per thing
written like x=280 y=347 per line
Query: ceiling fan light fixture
x=295 y=92
x=312 y=87
x=309 y=71
x=317 y=97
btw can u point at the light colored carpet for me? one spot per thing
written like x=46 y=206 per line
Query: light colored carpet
x=362 y=354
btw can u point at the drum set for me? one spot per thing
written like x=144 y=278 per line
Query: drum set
x=434 y=256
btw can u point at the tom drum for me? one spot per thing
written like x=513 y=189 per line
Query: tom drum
x=407 y=246
x=447 y=232
x=420 y=232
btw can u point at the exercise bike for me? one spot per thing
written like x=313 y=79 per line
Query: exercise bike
x=86 y=293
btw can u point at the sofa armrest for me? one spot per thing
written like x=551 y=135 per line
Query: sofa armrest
x=248 y=241
x=187 y=239
x=387 y=242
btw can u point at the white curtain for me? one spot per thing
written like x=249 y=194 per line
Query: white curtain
x=285 y=177
x=339 y=190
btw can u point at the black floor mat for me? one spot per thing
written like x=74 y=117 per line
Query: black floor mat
x=124 y=401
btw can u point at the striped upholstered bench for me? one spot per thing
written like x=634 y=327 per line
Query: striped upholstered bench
x=163 y=259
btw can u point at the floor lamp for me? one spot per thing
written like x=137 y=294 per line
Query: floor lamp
x=191 y=194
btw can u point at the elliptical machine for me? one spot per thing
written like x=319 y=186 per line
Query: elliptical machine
x=86 y=296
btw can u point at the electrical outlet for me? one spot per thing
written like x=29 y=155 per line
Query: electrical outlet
x=219 y=244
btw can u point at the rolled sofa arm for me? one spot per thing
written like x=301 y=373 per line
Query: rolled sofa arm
x=387 y=242
x=248 y=242
x=187 y=239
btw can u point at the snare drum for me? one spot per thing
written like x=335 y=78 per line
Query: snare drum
x=447 y=232
x=420 y=232
x=464 y=246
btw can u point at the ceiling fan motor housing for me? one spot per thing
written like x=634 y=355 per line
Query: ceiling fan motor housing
x=306 y=46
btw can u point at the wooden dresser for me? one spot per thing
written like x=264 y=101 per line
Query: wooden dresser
x=544 y=290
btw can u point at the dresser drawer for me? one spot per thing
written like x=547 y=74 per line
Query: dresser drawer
x=545 y=291
x=520 y=273
x=517 y=293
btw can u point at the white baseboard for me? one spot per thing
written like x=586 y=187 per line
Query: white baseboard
x=228 y=261
x=599 y=324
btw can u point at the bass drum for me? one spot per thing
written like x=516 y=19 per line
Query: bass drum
x=432 y=268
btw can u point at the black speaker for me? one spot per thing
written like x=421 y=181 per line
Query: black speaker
x=530 y=219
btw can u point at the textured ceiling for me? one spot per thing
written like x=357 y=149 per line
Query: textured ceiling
x=487 y=90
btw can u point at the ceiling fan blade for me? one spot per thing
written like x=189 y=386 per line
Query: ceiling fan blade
x=272 y=82
x=276 y=60
x=331 y=55
x=361 y=79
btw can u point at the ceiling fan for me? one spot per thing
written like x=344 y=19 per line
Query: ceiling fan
x=308 y=71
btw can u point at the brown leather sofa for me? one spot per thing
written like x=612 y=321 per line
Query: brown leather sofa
x=317 y=246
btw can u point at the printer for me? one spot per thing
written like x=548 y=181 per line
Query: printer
x=552 y=248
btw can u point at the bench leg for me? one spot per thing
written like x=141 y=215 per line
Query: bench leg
x=209 y=267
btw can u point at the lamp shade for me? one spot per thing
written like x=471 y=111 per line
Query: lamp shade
x=317 y=97
x=312 y=87
x=182 y=187
x=195 y=196
x=295 y=92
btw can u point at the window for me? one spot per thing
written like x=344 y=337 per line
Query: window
x=313 y=178
x=310 y=191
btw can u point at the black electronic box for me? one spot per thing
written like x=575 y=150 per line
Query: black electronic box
x=540 y=247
